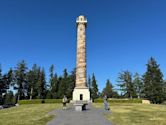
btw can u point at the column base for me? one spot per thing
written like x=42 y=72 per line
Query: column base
x=81 y=94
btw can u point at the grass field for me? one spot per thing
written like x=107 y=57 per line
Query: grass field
x=33 y=114
x=122 y=114
x=136 y=114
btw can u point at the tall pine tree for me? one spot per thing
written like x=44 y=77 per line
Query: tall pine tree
x=2 y=87
x=95 y=90
x=21 y=80
x=32 y=78
x=126 y=84
x=63 y=84
x=5 y=82
x=53 y=83
x=41 y=84
x=108 y=90
x=71 y=83
x=138 y=85
x=89 y=83
x=153 y=82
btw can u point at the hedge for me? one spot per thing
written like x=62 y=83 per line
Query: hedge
x=39 y=101
x=119 y=101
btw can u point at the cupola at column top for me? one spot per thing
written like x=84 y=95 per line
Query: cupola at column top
x=81 y=20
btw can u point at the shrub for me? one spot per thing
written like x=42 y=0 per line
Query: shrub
x=119 y=101
x=39 y=101
x=164 y=103
x=53 y=100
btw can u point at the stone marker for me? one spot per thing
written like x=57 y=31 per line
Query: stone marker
x=81 y=91
x=145 y=102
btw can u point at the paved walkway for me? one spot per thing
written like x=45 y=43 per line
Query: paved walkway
x=92 y=116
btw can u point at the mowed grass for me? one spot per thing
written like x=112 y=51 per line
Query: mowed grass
x=136 y=114
x=33 y=114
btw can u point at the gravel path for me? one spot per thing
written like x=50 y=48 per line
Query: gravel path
x=91 y=116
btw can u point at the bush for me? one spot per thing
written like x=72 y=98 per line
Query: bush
x=119 y=101
x=53 y=100
x=164 y=103
x=39 y=101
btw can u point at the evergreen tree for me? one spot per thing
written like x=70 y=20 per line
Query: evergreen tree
x=10 y=77
x=5 y=82
x=63 y=84
x=9 y=97
x=53 y=83
x=0 y=72
x=51 y=73
x=126 y=84
x=3 y=87
x=164 y=89
x=21 y=80
x=153 y=82
x=32 y=79
x=41 y=84
x=95 y=90
x=90 y=85
x=71 y=84
x=55 y=86
x=138 y=85
x=60 y=94
x=108 y=90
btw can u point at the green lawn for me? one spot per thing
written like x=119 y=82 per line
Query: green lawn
x=33 y=114
x=136 y=114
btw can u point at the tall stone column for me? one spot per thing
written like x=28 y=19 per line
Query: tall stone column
x=81 y=52
x=81 y=91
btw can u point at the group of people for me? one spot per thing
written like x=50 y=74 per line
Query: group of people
x=106 y=104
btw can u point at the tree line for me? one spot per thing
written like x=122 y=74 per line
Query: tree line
x=23 y=83
x=151 y=85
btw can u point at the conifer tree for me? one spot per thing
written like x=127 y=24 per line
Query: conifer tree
x=126 y=84
x=95 y=91
x=53 y=83
x=71 y=83
x=63 y=84
x=89 y=83
x=164 y=89
x=21 y=80
x=9 y=97
x=153 y=82
x=138 y=85
x=51 y=80
x=32 y=79
x=5 y=82
x=1 y=72
x=60 y=94
x=108 y=90
x=2 y=87
x=41 y=84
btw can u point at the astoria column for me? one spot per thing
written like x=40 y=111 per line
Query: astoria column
x=81 y=91
x=81 y=52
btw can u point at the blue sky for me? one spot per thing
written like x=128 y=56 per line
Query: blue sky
x=121 y=34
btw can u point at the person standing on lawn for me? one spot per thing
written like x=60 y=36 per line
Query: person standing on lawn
x=106 y=104
x=64 y=101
